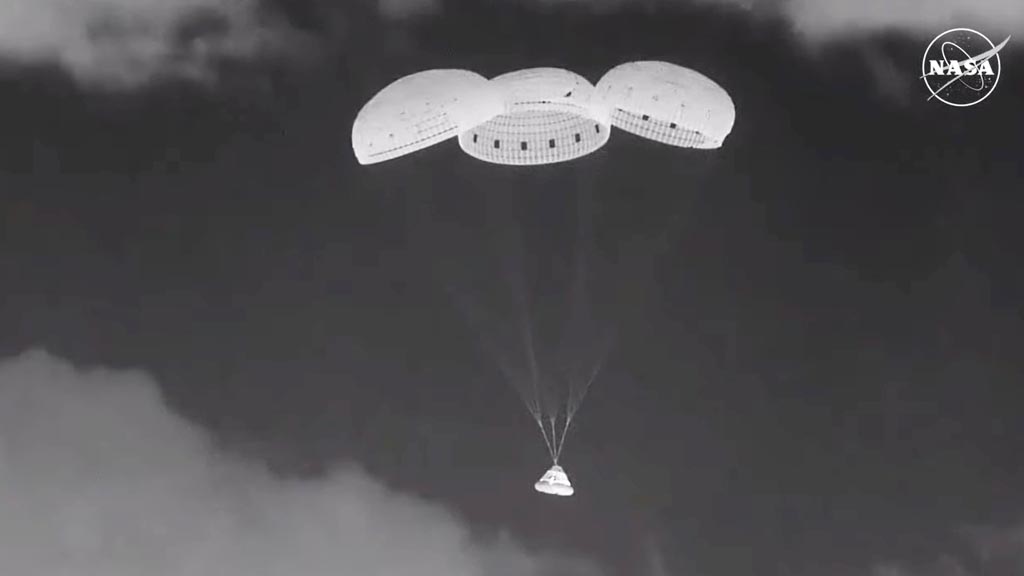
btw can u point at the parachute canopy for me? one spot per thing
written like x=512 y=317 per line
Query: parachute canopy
x=555 y=482
x=548 y=117
x=667 y=103
x=421 y=110
x=542 y=115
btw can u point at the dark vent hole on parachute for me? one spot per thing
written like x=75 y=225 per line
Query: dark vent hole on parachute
x=474 y=138
x=551 y=143
x=568 y=94
x=673 y=126
x=578 y=138
x=646 y=117
x=497 y=144
x=522 y=145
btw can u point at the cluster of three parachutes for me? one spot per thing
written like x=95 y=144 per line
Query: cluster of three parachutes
x=542 y=115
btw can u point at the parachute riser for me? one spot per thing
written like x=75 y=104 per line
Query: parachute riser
x=553 y=439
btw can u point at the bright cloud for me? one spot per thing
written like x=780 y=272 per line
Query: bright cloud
x=99 y=478
x=126 y=43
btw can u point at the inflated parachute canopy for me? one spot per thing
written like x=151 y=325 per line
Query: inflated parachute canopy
x=421 y=110
x=548 y=117
x=667 y=103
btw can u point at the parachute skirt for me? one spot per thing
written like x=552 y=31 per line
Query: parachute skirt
x=554 y=482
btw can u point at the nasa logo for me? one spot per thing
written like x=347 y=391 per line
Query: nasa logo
x=961 y=67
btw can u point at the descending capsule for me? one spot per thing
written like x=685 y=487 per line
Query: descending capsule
x=555 y=482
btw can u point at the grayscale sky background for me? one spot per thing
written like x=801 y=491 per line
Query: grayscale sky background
x=229 y=349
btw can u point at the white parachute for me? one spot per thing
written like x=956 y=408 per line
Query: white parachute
x=548 y=117
x=667 y=103
x=542 y=115
x=421 y=110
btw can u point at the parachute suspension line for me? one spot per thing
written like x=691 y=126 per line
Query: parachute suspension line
x=572 y=405
x=475 y=320
x=534 y=404
x=554 y=440
x=576 y=395
x=536 y=408
x=561 y=443
x=580 y=302
x=534 y=379
x=531 y=357
x=549 y=443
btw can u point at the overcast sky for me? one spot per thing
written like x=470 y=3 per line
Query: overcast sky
x=228 y=348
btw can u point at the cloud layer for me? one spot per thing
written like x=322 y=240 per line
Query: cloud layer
x=125 y=43
x=825 y=19
x=99 y=478
x=839 y=19
x=822 y=19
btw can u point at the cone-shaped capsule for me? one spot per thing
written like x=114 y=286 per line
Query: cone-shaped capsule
x=555 y=482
